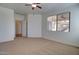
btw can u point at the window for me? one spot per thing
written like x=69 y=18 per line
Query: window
x=52 y=23
x=59 y=22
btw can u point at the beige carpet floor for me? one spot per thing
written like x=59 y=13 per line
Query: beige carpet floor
x=34 y=46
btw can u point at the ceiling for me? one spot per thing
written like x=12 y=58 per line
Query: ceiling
x=46 y=7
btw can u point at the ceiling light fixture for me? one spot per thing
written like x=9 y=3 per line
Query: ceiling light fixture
x=34 y=5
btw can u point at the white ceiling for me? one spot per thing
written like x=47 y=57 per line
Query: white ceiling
x=46 y=7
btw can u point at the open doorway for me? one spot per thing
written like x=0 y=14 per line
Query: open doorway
x=20 y=25
x=18 y=28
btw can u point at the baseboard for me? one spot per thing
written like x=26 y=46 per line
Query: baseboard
x=31 y=37
x=35 y=37
x=62 y=43
x=7 y=40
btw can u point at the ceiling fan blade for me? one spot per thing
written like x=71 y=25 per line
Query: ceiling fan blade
x=27 y=4
x=39 y=7
x=36 y=3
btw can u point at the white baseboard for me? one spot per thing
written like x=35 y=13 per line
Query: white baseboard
x=65 y=43
x=6 y=40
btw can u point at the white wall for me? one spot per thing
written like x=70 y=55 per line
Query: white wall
x=34 y=25
x=7 y=24
x=72 y=37
x=19 y=17
x=24 y=25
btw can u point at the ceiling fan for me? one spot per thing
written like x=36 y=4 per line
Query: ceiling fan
x=34 y=5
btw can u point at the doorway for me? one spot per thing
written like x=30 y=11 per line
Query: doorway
x=18 y=28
